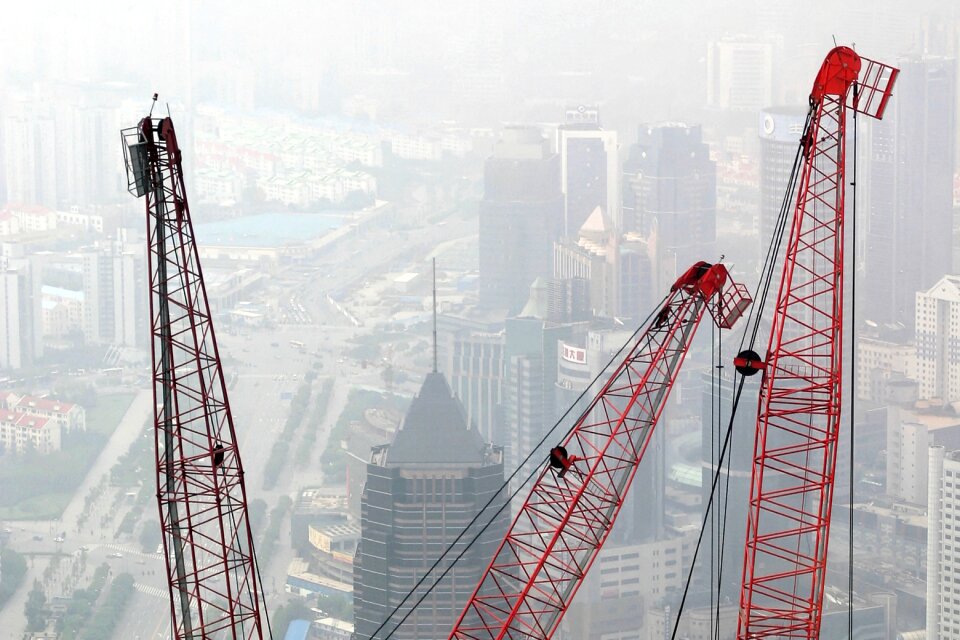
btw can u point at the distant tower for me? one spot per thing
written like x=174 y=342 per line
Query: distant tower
x=591 y=256
x=520 y=217
x=909 y=190
x=21 y=340
x=531 y=343
x=590 y=168
x=938 y=333
x=672 y=187
x=421 y=492
x=30 y=160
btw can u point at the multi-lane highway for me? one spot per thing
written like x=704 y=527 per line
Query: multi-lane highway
x=308 y=333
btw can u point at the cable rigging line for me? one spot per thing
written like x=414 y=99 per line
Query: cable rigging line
x=726 y=494
x=853 y=375
x=506 y=483
x=713 y=462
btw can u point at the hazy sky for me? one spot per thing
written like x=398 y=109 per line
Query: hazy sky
x=648 y=54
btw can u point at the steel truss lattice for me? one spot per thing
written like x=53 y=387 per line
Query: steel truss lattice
x=569 y=512
x=207 y=543
x=798 y=419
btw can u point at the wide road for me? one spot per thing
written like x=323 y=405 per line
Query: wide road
x=24 y=532
x=267 y=365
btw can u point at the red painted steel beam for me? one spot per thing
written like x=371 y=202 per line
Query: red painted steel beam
x=208 y=546
x=798 y=419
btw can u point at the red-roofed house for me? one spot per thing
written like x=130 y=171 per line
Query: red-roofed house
x=20 y=432
x=67 y=416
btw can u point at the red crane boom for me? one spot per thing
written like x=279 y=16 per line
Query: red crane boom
x=208 y=547
x=798 y=419
x=572 y=506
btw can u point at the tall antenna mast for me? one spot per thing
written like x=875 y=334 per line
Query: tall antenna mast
x=434 y=315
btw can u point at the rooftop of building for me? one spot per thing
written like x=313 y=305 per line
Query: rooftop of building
x=297 y=630
x=319 y=499
x=947 y=288
x=435 y=430
x=23 y=420
x=26 y=404
x=334 y=623
x=915 y=515
x=60 y=292
x=339 y=531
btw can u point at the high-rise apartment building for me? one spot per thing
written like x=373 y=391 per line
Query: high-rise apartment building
x=115 y=290
x=672 y=192
x=21 y=332
x=590 y=168
x=421 y=492
x=909 y=190
x=938 y=337
x=943 y=537
x=521 y=215
x=98 y=303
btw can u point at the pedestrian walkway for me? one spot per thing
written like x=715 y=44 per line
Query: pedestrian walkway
x=151 y=591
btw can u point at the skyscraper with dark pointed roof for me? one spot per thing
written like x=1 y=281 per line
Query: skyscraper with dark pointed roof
x=421 y=492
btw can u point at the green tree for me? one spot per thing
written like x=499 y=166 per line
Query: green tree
x=14 y=567
x=150 y=536
x=257 y=512
x=35 y=609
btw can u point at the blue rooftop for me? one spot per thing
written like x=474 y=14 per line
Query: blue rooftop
x=297 y=630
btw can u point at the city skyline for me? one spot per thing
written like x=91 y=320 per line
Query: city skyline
x=563 y=165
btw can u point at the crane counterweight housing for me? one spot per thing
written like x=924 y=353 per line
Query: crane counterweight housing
x=575 y=498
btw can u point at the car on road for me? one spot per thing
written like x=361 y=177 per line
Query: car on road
x=114 y=555
x=58 y=539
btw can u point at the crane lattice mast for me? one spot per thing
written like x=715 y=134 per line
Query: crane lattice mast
x=574 y=501
x=799 y=409
x=208 y=547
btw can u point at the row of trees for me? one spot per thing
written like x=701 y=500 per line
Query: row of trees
x=110 y=611
x=14 y=568
x=272 y=535
x=81 y=605
x=322 y=399
x=281 y=448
